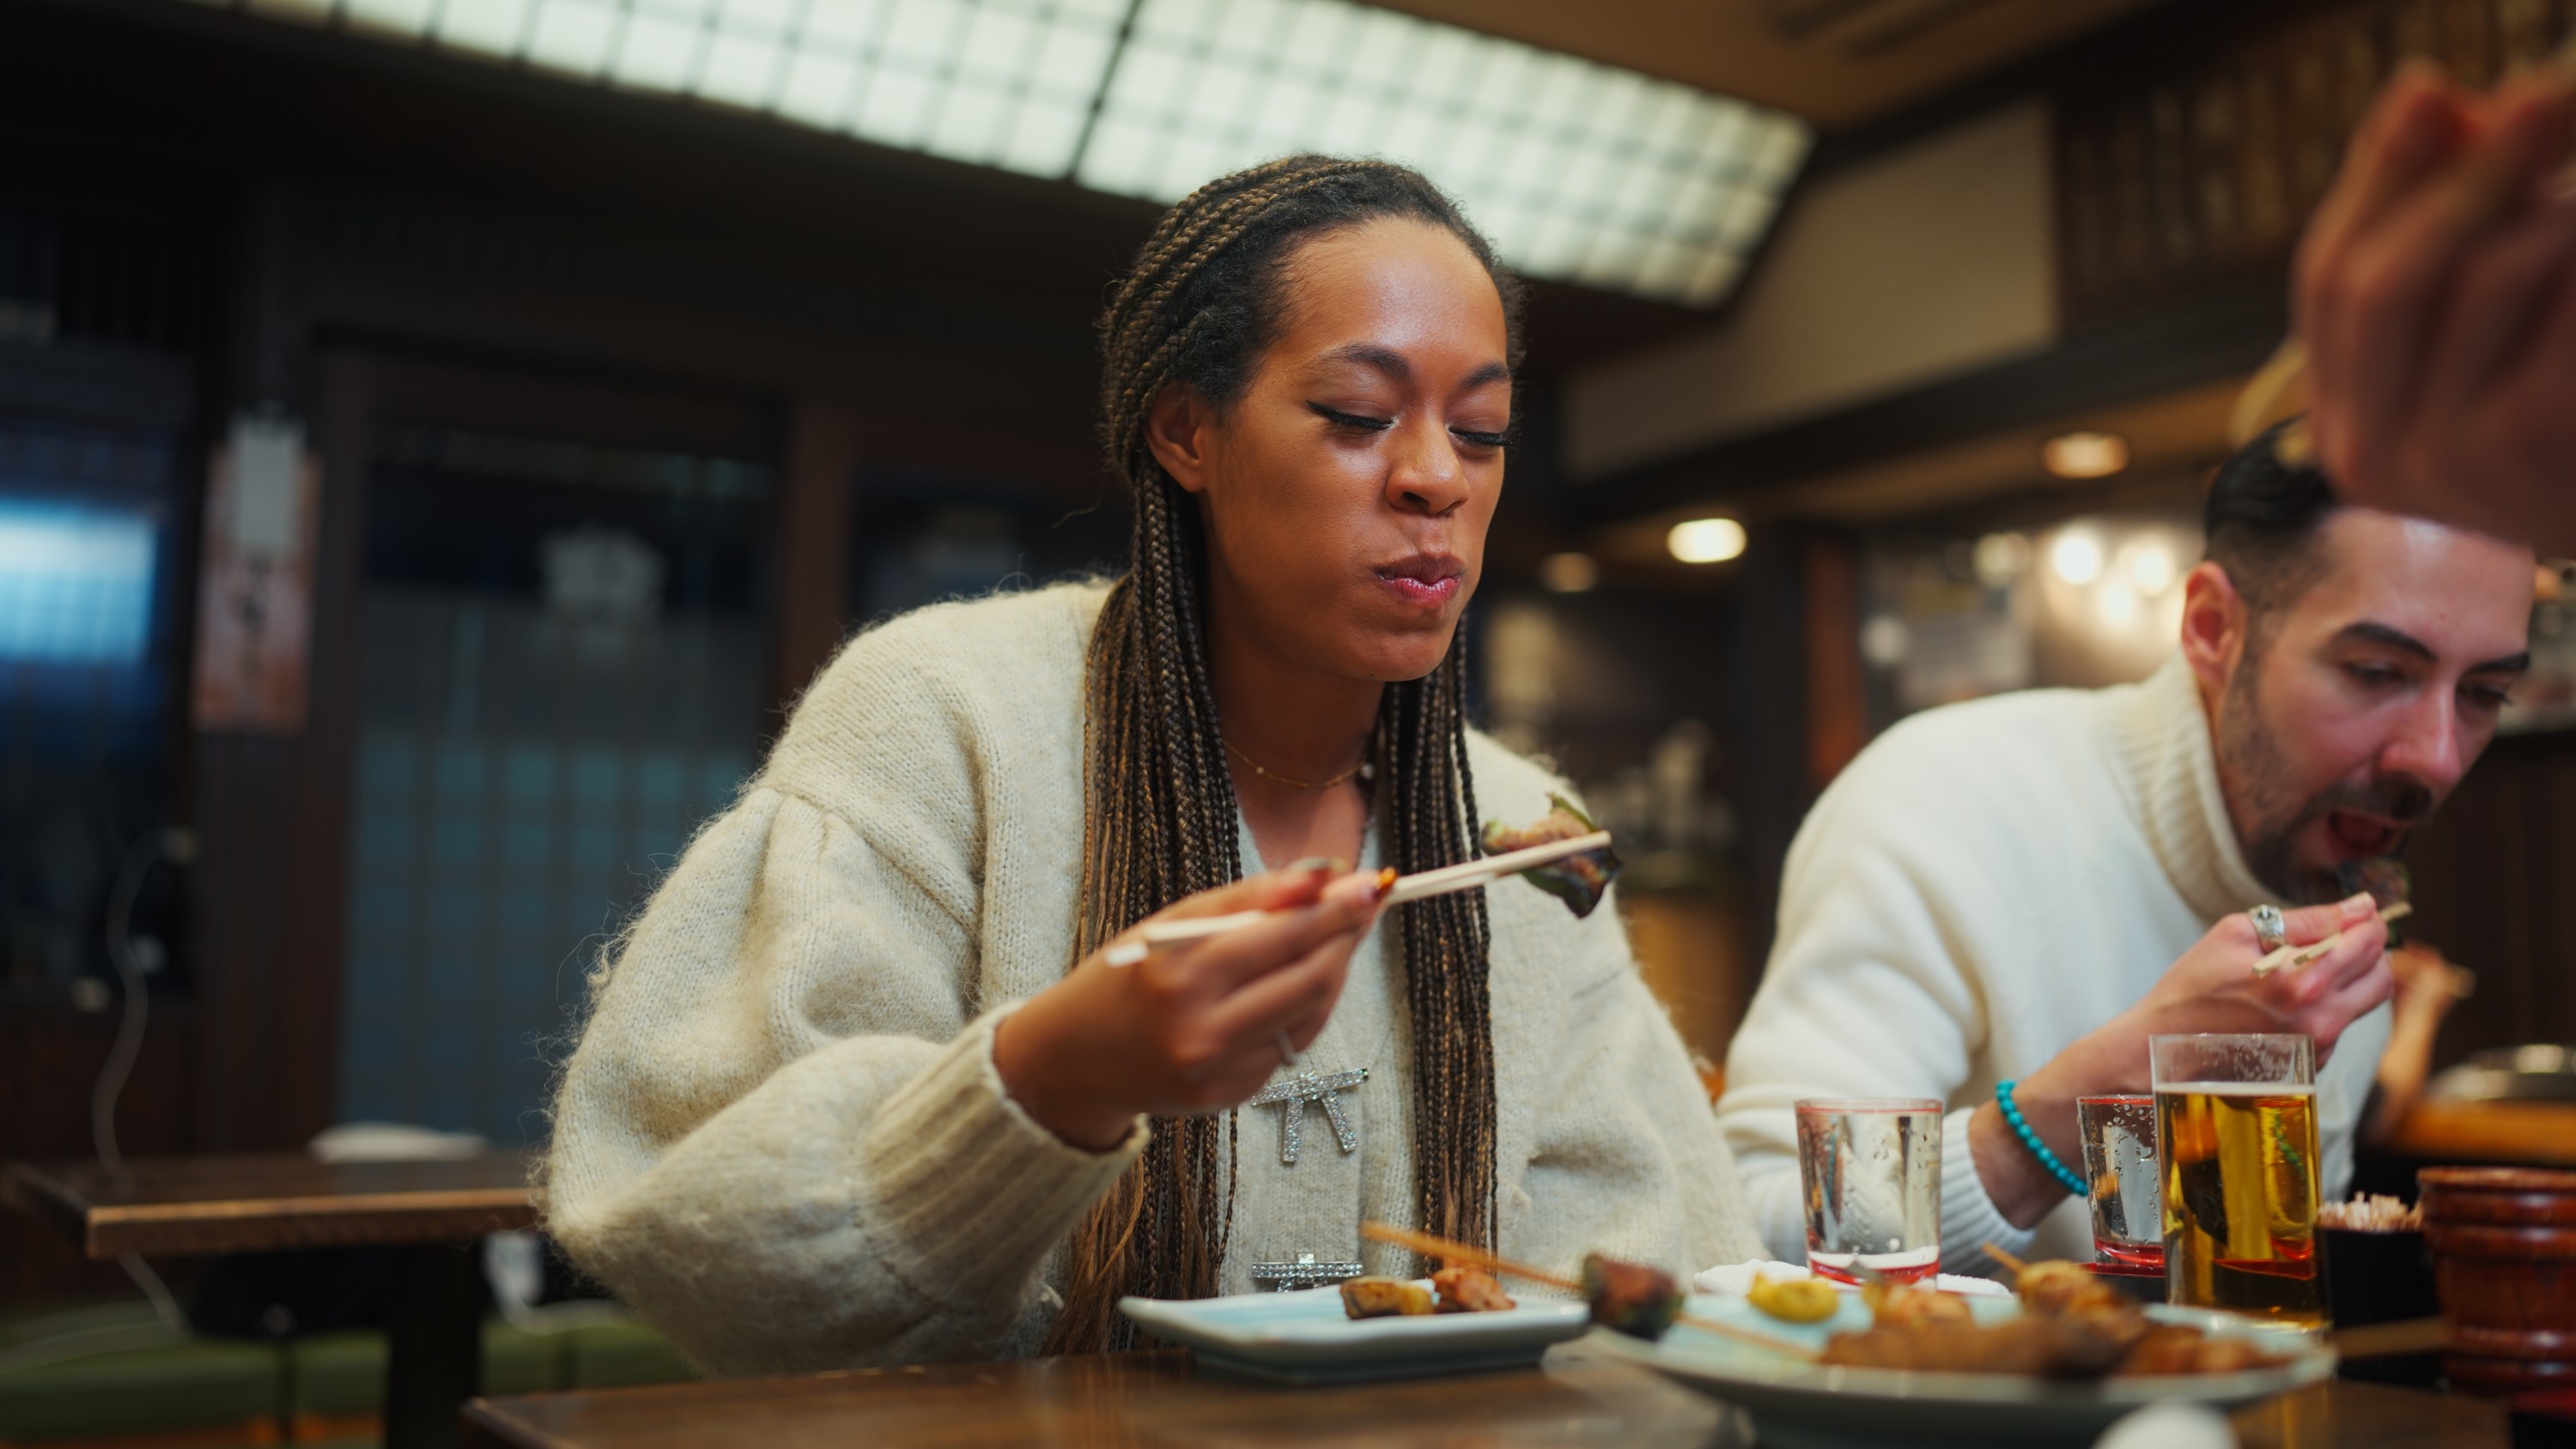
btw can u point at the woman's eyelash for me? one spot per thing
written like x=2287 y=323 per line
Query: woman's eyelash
x=1341 y=419
x=1504 y=439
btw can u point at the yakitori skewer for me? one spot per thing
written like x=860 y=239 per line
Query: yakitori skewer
x=1431 y=1245
x=1467 y=875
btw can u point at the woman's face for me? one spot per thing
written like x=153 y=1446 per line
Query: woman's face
x=1347 y=492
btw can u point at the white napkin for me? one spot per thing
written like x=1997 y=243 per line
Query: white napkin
x=1734 y=1280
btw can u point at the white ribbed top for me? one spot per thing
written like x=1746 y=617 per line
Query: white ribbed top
x=782 y=1139
x=1985 y=884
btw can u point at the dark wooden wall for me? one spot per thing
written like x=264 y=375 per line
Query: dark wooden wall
x=2495 y=889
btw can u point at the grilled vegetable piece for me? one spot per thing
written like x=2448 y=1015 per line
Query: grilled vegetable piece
x=1630 y=1298
x=1794 y=1300
x=1579 y=880
x=1470 y=1290
x=1384 y=1298
x=2387 y=880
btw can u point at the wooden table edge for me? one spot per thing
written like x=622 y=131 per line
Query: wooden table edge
x=486 y=1427
x=192 y=1229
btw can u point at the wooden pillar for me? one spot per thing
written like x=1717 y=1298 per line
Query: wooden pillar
x=270 y=896
x=1837 y=689
x=813 y=543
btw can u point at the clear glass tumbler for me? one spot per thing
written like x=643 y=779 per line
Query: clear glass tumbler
x=2120 y=1171
x=1870 y=1168
x=2236 y=1130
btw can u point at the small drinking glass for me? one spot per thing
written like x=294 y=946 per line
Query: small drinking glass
x=1870 y=1168
x=2120 y=1172
x=2236 y=1130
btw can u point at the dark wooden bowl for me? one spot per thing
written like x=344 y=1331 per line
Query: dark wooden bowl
x=2504 y=1262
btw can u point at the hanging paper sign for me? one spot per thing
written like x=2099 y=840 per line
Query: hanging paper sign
x=255 y=596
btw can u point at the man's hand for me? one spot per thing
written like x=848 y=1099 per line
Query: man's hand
x=2436 y=296
x=2213 y=988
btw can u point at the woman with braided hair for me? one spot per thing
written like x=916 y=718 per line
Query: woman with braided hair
x=862 y=1083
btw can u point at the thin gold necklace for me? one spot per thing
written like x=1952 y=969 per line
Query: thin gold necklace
x=1358 y=771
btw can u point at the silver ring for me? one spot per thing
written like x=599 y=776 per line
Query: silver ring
x=2271 y=931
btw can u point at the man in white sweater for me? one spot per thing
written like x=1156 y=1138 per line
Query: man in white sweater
x=2024 y=889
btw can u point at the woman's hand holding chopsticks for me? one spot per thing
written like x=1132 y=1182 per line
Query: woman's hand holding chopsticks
x=1193 y=1027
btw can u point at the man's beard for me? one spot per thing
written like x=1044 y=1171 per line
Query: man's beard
x=2251 y=760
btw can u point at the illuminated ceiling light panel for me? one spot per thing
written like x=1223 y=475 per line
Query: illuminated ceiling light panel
x=75 y=584
x=1578 y=171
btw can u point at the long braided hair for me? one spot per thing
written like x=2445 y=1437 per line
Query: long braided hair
x=1197 y=311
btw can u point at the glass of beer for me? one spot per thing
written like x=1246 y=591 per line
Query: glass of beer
x=2236 y=1129
x=1870 y=1168
x=2120 y=1172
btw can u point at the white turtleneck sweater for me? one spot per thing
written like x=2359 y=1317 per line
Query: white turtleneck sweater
x=1985 y=884
x=782 y=1139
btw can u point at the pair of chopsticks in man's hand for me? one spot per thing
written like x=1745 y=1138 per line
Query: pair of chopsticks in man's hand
x=1466 y=875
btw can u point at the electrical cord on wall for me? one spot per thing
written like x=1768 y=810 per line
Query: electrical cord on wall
x=178 y=846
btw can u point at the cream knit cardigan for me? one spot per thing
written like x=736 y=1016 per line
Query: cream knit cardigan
x=1984 y=884
x=782 y=1140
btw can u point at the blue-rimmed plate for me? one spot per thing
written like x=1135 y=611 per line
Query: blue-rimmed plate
x=1304 y=1337
x=1800 y=1405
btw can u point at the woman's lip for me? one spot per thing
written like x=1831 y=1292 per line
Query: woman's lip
x=1429 y=593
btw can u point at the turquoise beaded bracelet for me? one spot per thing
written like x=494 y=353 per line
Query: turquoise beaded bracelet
x=2030 y=1139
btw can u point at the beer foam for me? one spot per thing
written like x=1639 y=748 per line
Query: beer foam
x=2237 y=1089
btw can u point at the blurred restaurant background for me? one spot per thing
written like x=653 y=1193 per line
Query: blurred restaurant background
x=439 y=438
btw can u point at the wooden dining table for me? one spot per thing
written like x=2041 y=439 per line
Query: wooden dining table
x=1580 y=1396
x=431 y=1215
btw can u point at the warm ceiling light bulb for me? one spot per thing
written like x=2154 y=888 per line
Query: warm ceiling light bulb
x=1706 y=540
x=2001 y=558
x=2152 y=567
x=2076 y=557
x=1568 y=573
x=2085 y=455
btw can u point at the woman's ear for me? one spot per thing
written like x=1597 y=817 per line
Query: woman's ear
x=1176 y=430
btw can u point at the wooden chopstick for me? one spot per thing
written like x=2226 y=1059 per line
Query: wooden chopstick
x=2296 y=956
x=1431 y=1245
x=1466 y=875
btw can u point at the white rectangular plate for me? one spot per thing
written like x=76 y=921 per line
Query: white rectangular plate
x=1304 y=1337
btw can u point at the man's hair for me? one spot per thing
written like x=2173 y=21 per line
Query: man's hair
x=2261 y=522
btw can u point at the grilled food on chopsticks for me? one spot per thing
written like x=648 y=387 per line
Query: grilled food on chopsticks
x=2388 y=882
x=1577 y=880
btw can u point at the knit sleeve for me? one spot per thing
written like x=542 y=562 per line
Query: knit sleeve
x=782 y=1139
x=1865 y=995
x=1626 y=1158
